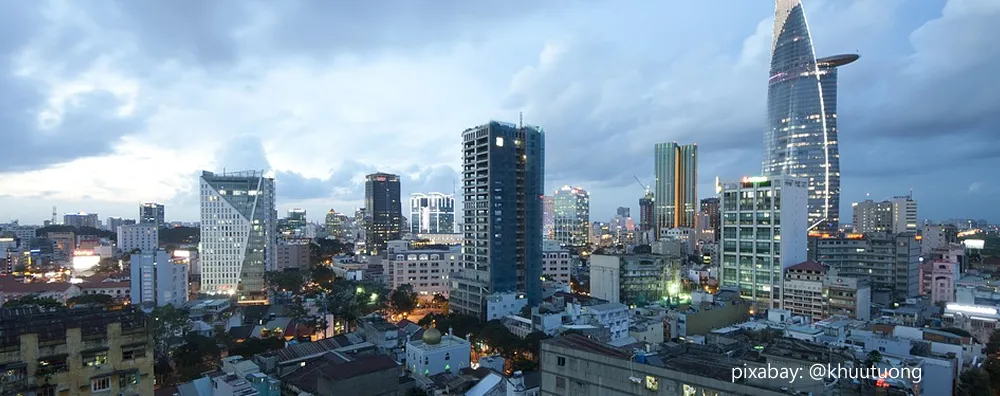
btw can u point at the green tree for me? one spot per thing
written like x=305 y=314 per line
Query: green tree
x=107 y=266
x=498 y=338
x=350 y=300
x=533 y=342
x=99 y=299
x=290 y=280
x=168 y=322
x=993 y=345
x=403 y=299
x=974 y=382
x=322 y=276
x=992 y=368
x=873 y=358
x=46 y=303
x=197 y=355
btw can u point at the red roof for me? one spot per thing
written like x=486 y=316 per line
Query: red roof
x=10 y=285
x=808 y=265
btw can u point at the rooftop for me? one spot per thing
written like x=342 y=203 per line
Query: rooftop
x=808 y=265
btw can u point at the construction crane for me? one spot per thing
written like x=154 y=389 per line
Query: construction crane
x=644 y=186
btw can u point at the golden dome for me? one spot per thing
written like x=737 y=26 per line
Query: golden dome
x=432 y=336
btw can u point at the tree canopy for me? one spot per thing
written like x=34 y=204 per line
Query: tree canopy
x=99 y=299
x=290 y=280
x=180 y=235
x=403 y=299
x=974 y=382
x=41 y=302
x=993 y=345
x=42 y=232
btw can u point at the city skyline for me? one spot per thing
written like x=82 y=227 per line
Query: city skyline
x=602 y=96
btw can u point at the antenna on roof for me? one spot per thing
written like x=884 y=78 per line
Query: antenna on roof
x=520 y=119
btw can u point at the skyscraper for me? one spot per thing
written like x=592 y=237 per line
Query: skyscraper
x=238 y=233
x=572 y=216
x=335 y=224
x=801 y=139
x=384 y=216
x=897 y=215
x=548 y=217
x=676 y=190
x=151 y=213
x=432 y=213
x=503 y=186
x=710 y=207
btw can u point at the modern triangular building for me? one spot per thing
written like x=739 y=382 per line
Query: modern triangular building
x=801 y=138
x=238 y=234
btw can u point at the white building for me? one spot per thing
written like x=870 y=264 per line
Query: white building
x=555 y=262
x=499 y=305
x=238 y=233
x=436 y=354
x=896 y=215
x=432 y=213
x=143 y=236
x=764 y=231
x=614 y=316
x=157 y=280
x=427 y=270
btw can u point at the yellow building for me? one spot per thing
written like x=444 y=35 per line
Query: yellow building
x=75 y=352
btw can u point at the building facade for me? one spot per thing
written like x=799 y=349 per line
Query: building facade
x=801 y=138
x=891 y=262
x=503 y=180
x=157 y=280
x=144 y=237
x=763 y=232
x=894 y=216
x=82 y=220
x=238 y=233
x=152 y=213
x=112 y=223
x=383 y=211
x=432 y=213
x=710 y=209
x=336 y=224
x=634 y=279
x=76 y=351
x=572 y=216
x=429 y=271
x=556 y=262
x=548 y=217
x=646 y=212
x=292 y=253
x=676 y=190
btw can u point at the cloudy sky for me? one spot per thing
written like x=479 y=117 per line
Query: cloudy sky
x=105 y=104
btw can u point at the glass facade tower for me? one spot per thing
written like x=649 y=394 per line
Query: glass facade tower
x=238 y=234
x=676 y=191
x=503 y=169
x=384 y=215
x=801 y=138
x=572 y=216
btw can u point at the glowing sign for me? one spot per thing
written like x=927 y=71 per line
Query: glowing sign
x=854 y=236
x=182 y=253
x=83 y=263
x=974 y=244
x=754 y=179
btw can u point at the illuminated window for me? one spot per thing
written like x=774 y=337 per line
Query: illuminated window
x=499 y=141
x=652 y=383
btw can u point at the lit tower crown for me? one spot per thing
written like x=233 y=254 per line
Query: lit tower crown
x=801 y=138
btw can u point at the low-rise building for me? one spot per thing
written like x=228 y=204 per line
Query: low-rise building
x=978 y=320
x=292 y=253
x=335 y=374
x=427 y=270
x=437 y=353
x=556 y=262
x=76 y=351
x=938 y=280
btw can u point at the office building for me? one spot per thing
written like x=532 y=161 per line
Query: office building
x=429 y=271
x=634 y=279
x=572 y=216
x=432 y=213
x=801 y=138
x=81 y=220
x=336 y=224
x=710 y=209
x=503 y=185
x=157 y=280
x=556 y=262
x=292 y=253
x=112 y=223
x=144 y=237
x=763 y=232
x=548 y=217
x=151 y=213
x=893 y=216
x=238 y=233
x=384 y=213
x=76 y=351
x=676 y=191
x=817 y=292
x=891 y=262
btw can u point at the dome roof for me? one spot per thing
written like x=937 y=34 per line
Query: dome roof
x=432 y=336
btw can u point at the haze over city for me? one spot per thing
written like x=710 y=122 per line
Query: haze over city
x=112 y=104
